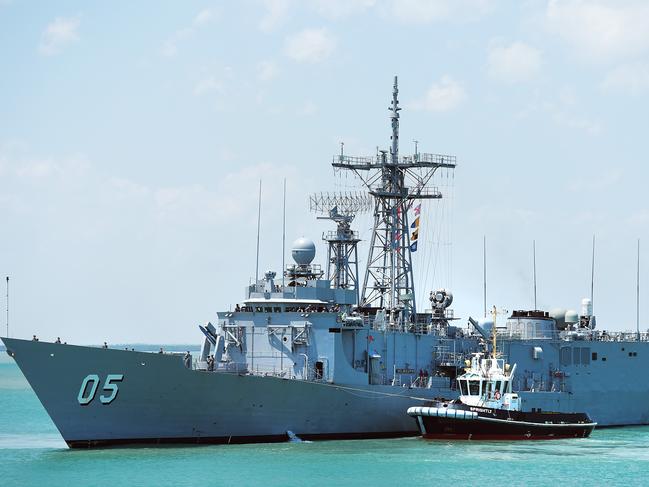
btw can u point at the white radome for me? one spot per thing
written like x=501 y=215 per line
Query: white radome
x=303 y=251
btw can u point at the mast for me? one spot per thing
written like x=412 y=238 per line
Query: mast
x=494 y=313
x=7 y=306
x=284 y=236
x=484 y=273
x=592 y=275
x=637 y=297
x=258 y=228
x=394 y=108
x=396 y=183
x=534 y=270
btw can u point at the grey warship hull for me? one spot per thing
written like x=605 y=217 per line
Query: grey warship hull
x=161 y=401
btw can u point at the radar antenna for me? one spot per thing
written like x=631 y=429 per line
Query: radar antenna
x=395 y=183
x=342 y=252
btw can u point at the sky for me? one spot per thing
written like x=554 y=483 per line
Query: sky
x=133 y=136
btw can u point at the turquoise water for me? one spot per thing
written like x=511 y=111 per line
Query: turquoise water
x=33 y=454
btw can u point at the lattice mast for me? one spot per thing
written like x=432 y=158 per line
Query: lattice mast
x=342 y=243
x=395 y=183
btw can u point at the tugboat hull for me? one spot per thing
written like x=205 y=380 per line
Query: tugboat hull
x=461 y=422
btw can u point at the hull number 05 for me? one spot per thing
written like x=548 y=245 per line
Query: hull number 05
x=90 y=384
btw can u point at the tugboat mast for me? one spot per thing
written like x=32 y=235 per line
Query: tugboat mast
x=395 y=183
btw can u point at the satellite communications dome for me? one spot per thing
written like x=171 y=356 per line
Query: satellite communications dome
x=559 y=316
x=572 y=317
x=303 y=251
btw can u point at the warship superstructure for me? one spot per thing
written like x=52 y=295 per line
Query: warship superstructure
x=315 y=353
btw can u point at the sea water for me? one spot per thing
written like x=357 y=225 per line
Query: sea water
x=32 y=453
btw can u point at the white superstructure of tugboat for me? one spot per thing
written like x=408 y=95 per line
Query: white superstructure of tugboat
x=489 y=409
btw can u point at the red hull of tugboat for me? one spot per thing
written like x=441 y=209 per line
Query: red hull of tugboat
x=493 y=424
x=479 y=437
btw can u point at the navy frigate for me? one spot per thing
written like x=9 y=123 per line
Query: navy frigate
x=323 y=354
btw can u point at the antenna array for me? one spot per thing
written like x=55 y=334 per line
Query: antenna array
x=342 y=244
x=346 y=203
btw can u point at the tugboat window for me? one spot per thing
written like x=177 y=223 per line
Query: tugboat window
x=474 y=387
x=486 y=387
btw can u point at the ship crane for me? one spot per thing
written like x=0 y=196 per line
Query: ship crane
x=395 y=183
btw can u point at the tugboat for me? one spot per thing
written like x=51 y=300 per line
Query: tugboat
x=487 y=409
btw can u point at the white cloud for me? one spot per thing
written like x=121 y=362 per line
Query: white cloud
x=267 y=70
x=310 y=45
x=59 y=34
x=276 y=12
x=628 y=78
x=338 y=9
x=562 y=111
x=308 y=108
x=170 y=46
x=513 y=63
x=208 y=84
x=44 y=169
x=202 y=18
x=601 y=29
x=446 y=94
x=427 y=11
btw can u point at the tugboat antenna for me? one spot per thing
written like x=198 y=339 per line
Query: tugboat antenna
x=534 y=270
x=8 y=306
x=493 y=333
x=484 y=273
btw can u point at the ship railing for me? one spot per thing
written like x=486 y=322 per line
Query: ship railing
x=354 y=160
x=526 y=334
x=334 y=235
x=430 y=158
x=427 y=192
x=420 y=157
x=605 y=336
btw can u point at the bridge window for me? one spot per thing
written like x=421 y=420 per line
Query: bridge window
x=464 y=390
x=566 y=356
x=585 y=355
x=576 y=356
x=474 y=387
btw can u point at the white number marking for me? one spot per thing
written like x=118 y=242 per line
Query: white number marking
x=83 y=400
x=109 y=386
